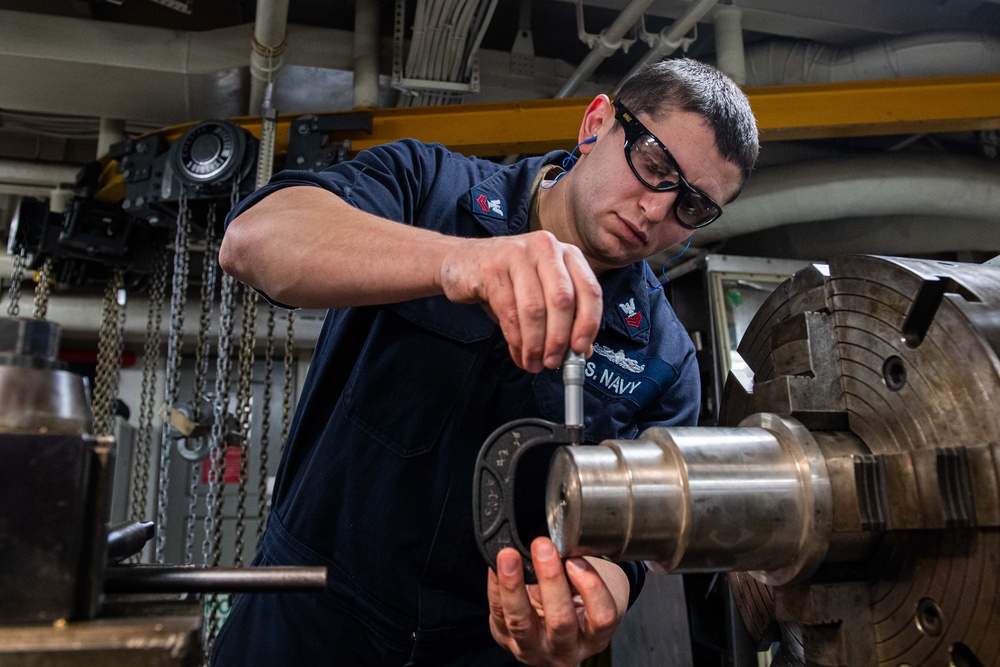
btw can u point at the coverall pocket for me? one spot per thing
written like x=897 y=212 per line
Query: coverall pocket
x=413 y=374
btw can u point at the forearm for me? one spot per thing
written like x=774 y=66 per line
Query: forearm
x=305 y=247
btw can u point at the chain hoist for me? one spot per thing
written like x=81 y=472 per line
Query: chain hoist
x=265 y=424
x=43 y=288
x=175 y=342
x=109 y=352
x=16 y=277
x=209 y=281
x=147 y=396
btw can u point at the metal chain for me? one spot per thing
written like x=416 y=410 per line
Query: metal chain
x=119 y=340
x=209 y=282
x=244 y=412
x=265 y=424
x=43 y=289
x=287 y=389
x=213 y=518
x=217 y=457
x=108 y=353
x=175 y=343
x=16 y=276
x=217 y=444
x=147 y=397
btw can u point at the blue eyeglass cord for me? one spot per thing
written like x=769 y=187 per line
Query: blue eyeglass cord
x=659 y=285
x=568 y=163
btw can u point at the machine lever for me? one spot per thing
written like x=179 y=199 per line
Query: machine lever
x=128 y=538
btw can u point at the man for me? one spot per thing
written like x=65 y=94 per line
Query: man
x=444 y=328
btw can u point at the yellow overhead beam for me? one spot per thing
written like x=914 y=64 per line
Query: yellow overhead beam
x=864 y=108
x=503 y=128
x=815 y=111
x=812 y=111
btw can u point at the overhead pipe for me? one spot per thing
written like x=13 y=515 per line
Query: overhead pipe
x=671 y=37
x=729 y=43
x=110 y=131
x=270 y=37
x=366 y=43
x=606 y=44
x=17 y=172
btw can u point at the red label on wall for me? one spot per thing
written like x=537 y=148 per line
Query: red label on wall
x=232 y=467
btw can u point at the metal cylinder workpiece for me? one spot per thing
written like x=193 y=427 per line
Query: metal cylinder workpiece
x=755 y=497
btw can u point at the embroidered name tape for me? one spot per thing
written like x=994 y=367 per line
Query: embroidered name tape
x=620 y=375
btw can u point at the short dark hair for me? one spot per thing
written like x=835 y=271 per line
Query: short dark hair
x=683 y=84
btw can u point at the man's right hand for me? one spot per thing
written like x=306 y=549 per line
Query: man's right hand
x=541 y=292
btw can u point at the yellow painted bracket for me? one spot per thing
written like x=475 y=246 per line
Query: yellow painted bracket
x=813 y=111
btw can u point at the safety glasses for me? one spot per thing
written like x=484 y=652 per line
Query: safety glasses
x=657 y=169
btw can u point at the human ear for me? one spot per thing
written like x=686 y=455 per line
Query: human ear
x=594 y=118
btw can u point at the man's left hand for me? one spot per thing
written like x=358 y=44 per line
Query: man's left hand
x=547 y=624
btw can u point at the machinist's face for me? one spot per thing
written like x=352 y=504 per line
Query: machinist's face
x=617 y=218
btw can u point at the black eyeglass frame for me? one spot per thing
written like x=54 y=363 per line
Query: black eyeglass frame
x=634 y=129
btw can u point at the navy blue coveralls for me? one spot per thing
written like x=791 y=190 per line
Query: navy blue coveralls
x=376 y=478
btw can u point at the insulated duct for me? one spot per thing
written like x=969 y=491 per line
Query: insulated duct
x=889 y=235
x=787 y=62
x=153 y=75
x=945 y=186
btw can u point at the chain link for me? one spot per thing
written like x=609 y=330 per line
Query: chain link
x=43 y=289
x=217 y=457
x=108 y=353
x=213 y=519
x=209 y=282
x=16 y=277
x=147 y=397
x=287 y=389
x=175 y=343
x=265 y=424
x=244 y=412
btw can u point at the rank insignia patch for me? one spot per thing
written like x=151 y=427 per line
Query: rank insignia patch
x=488 y=204
x=635 y=321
